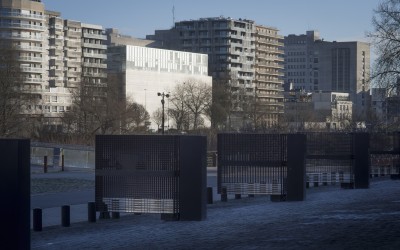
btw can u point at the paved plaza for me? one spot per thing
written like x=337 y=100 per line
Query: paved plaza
x=330 y=218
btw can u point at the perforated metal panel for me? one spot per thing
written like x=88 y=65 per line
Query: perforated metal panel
x=252 y=163
x=385 y=154
x=143 y=173
x=336 y=157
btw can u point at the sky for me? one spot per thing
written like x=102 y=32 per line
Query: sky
x=336 y=20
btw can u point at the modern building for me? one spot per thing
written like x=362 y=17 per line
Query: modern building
x=315 y=65
x=234 y=47
x=143 y=72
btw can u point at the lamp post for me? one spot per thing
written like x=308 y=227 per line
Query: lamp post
x=162 y=103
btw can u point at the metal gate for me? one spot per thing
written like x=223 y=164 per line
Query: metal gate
x=385 y=154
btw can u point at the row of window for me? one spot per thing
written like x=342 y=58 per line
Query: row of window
x=52 y=109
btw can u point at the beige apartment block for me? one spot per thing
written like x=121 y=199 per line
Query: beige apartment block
x=268 y=75
x=23 y=24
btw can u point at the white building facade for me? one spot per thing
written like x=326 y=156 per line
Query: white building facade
x=148 y=71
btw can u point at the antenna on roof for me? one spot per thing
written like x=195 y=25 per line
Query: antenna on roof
x=173 y=15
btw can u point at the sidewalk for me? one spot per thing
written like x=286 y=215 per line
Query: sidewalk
x=330 y=218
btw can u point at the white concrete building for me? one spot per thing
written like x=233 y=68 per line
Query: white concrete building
x=144 y=72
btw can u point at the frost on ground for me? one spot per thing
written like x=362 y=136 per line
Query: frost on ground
x=330 y=218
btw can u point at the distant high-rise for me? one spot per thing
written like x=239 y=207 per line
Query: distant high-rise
x=313 y=65
x=55 y=55
x=243 y=56
x=23 y=26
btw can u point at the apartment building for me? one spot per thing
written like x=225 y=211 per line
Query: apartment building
x=268 y=75
x=231 y=48
x=23 y=25
x=314 y=65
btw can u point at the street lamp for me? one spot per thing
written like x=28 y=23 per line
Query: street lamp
x=162 y=102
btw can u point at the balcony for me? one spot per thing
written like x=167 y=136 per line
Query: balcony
x=94 y=36
x=32 y=69
x=74 y=73
x=101 y=75
x=34 y=80
x=23 y=37
x=95 y=55
x=22 y=26
x=94 y=46
x=72 y=33
x=73 y=54
x=95 y=65
x=73 y=63
x=73 y=44
x=29 y=48
x=30 y=59
x=21 y=15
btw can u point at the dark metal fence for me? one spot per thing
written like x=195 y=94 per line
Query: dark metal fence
x=152 y=174
x=338 y=158
x=385 y=154
x=268 y=164
x=15 y=193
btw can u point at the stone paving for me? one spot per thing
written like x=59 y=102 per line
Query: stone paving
x=330 y=218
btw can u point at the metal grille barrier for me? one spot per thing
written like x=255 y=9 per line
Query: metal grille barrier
x=258 y=164
x=337 y=158
x=151 y=174
x=385 y=154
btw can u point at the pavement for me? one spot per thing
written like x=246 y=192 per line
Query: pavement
x=329 y=218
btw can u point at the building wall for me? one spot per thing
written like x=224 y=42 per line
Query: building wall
x=268 y=75
x=149 y=71
x=316 y=65
x=231 y=48
x=23 y=24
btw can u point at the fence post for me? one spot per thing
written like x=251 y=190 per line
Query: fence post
x=91 y=212
x=37 y=219
x=45 y=164
x=62 y=162
x=209 y=195
x=65 y=216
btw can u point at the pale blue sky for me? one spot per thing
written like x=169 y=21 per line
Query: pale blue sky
x=340 y=20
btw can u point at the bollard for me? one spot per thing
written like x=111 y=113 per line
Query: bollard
x=224 y=195
x=91 y=212
x=65 y=216
x=209 y=195
x=37 y=219
x=45 y=164
x=238 y=196
x=115 y=215
x=62 y=163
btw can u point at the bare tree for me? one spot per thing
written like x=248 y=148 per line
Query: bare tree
x=101 y=109
x=386 y=38
x=13 y=98
x=157 y=117
x=191 y=103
